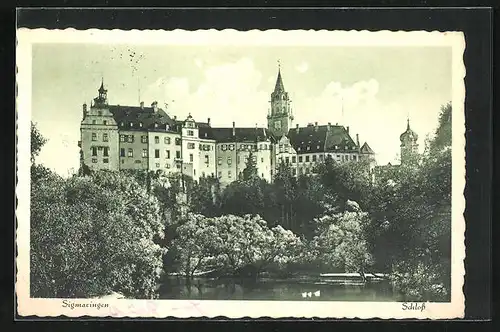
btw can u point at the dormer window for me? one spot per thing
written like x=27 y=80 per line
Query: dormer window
x=156 y=125
x=308 y=148
x=140 y=124
x=121 y=124
x=131 y=124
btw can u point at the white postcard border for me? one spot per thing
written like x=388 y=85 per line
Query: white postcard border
x=231 y=308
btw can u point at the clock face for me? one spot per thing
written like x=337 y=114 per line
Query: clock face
x=277 y=124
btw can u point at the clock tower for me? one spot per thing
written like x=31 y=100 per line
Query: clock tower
x=279 y=119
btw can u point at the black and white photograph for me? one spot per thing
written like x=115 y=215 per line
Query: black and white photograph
x=229 y=173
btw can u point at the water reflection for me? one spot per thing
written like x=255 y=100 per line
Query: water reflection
x=262 y=289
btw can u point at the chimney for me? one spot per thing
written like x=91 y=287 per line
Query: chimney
x=315 y=126
x=297 y=127
x=84 y=110
x=329 y=125
x=357 y=139
x=347 y=128
x=142 y=104
x=175 y=117
x=154 y=105
x=234 y=129
x=208 y=121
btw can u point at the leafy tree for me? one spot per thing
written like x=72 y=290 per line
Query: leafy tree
x=204 y=197
x=91 y=236
x=285 y=187
x=37 y=142
x=250 y=171
x=342 y=242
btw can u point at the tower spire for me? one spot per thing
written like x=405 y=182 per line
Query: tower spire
x=279 y=87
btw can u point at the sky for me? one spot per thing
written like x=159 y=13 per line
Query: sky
x=373 y=90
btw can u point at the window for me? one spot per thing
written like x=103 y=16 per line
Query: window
x=294 y=159
x=287 y=149
x=307 y=159
x=105 y=160
x=307 y=170
x=191 y=157
x=122 y=138
x=122 y=152
x=254 y=158
x=219 y=173
x=99 y=113
x=190 y=145
x=94 y=160
x=294 y=171
x=338 y=157
x=308 y=148
x=287 y=159
x=94 y=136
x=105 y=137
x=157 y=140
x=93 y=121
x=106 y=152
x=105 y=122
x=229 y=161
x=131 y=138
x=157 y=153
x=262 y=175
x=167 y=154
x=281 y=148
x=314 y=158
x=144 y=153
x=167 y=140
x=94 y=151
x=177 y=141
x=190 y=132
x=140 y=124
x=300 y=170
x=194 y=172
x=219 y=160
x=229 y=174
x=354 y=158
x=320 y=157
x=207 y=159
x=300 y=159
x=178 y=154
x=130 y=152
x=144 y=139
x=261 y=160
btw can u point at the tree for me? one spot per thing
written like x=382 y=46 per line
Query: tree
x=37 y=142
x=342 y=241
x=93 y=235
x=285 y=188
x=204 y=197
x=250 y=171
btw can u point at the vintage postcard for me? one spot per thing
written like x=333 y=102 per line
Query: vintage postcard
x=240 y=174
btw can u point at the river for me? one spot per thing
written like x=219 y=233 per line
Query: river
x=272 y=289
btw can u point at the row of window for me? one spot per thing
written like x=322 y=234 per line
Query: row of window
x=144 y=139
x=315 y=158
x=104 y=160
x=105 y=137
x=251 y=147
x=336 y=147
x=238 y=160
x=104 y=122
x=94 y=150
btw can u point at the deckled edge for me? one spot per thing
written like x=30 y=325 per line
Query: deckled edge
x=22 y=276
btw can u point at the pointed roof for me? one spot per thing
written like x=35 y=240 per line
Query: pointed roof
x=102 y=89
x=408 y=134
x=366 y=149
x=279 y=87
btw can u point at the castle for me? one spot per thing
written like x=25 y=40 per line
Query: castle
x=146 y=138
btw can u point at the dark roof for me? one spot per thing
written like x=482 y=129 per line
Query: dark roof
x=322 y=138
x=279 y=87
x=241 y=134
x=124 y=115
x=366 y=149
x=408 y=134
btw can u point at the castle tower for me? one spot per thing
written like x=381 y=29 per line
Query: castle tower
x=102 y=98
x=409 y=145
x=279 y=120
